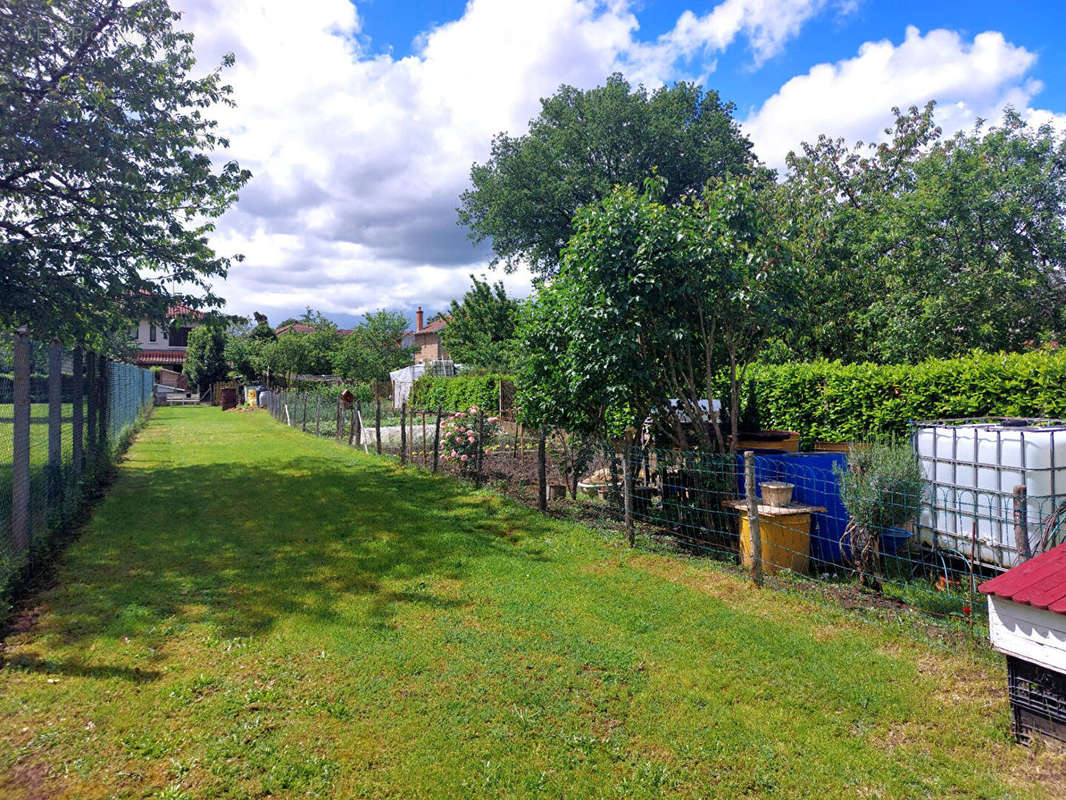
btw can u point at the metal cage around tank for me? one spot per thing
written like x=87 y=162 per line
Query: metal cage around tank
x=975 y=467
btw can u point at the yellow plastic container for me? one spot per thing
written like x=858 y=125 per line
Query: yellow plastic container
x=785 y=533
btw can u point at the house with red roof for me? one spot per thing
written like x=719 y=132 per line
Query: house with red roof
x=426 y=338
x=165 y=345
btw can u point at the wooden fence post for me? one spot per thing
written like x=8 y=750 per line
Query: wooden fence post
x=425 y=452
x=1021 y=524
x=542 y=472
x=753 y=516
x=338 y=430
x=318 y=410
x=77 y=414
x=303 y=426
x=436 y=438
x=91 y=398
x=358 y=423
x=627 y=490
x=20 y=461
x=351 y=426
x=480 y=455
x=377 y=418
x=403 y=432
x=104 y=387
x=55 y=423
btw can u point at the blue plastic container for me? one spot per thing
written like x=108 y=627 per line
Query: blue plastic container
x=893 y=540
x=818 y=485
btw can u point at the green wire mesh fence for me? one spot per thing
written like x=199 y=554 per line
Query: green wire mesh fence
x=926 y=545
x=63 y=414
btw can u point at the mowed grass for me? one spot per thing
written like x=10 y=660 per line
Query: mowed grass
x=253 y=612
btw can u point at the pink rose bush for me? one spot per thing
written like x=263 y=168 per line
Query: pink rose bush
x=459 y=436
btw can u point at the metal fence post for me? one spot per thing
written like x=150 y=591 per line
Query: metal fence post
x=55 y=423
x=20 y=467
x=753 y=516
x=77 y=416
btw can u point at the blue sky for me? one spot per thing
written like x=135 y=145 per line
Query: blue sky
x=360 y=121
x=1039 y=25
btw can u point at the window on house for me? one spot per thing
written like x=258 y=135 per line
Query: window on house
x=151 y=333
x=179 y=337
x=135 y=332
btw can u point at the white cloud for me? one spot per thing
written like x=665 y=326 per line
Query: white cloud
x=359 y=159
x=852 y=98
x=768 y=24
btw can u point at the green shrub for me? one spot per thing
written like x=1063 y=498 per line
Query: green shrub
x=882 y=486
x=830 y=401
x=458 y=393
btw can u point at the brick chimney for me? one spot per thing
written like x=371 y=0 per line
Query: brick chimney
x=418 y=318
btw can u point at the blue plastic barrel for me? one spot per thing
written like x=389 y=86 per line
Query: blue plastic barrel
x=818 y=485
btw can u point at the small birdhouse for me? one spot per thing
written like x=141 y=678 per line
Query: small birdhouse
x=347 y=398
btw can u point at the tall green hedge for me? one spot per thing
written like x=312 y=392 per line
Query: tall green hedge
x=830 y=401
x=458 y=393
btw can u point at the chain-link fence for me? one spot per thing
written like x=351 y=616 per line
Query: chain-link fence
x=64 y=412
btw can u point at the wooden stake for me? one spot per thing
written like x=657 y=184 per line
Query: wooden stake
x=627 y=490
x=318 y=411
x=436 y=438
x=77 y=434
x=480 y=447
x=351 y=427
x=542 y=472
x=1021 y=524
x=753 y=516
x=403 y=433
x=425 y=455
x=377 y=419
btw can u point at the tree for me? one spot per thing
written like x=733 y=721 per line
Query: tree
x=373 y=349
x=321 y=346
x=481 y=328
x=655 y=301
x=923 y=247
x=107 y=184
x=581 y=145
x=205 y=358
x=262 y=330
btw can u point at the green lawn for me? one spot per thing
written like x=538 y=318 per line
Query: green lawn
x=255 y=612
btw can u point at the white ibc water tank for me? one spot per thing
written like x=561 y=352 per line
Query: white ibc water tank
x=973 y=468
